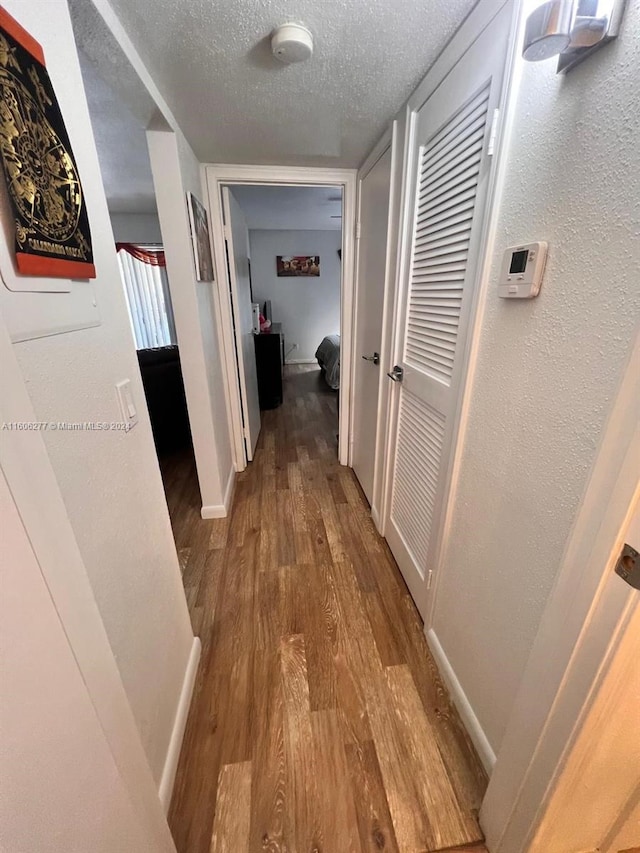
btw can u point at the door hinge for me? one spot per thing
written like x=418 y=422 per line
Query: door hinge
x=358 y=230
x=429 y=578
x=491 y=147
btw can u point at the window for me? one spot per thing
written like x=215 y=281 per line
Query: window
x=146 y=288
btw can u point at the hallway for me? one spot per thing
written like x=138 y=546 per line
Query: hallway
x=319 y=721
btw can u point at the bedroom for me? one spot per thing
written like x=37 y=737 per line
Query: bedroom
x=293 y=280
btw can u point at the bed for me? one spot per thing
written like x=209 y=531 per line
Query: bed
x=328 y=355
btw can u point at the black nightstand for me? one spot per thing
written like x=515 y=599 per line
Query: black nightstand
x=269 y=362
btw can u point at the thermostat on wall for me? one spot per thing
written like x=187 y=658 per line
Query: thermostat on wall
x=522 y=271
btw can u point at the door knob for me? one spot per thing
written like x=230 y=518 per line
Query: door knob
x=375 y=358
x=397 y=374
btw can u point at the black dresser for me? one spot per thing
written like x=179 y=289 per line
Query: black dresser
x=269 y=361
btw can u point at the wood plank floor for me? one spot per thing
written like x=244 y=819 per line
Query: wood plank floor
x=319 y=722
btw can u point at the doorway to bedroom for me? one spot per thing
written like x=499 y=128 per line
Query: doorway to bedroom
x=283 y=248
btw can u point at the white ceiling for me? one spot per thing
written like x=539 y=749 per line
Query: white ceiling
x=122 y=147
x=291 y=208
x=235 y=103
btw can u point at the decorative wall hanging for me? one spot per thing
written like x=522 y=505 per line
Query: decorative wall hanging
x=200 y=239
x=52 y=236
x=298 y=265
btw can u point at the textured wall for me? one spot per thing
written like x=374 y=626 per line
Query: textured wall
x=547 y=369
x=308 y=308
x=110 y=481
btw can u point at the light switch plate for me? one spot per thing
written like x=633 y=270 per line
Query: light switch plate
x=127 y=405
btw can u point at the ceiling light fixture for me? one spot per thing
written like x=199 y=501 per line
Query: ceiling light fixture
x=292 y=43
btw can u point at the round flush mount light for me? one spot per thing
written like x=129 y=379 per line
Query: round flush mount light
x=292 y=43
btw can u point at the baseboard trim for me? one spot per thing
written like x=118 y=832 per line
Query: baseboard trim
x=213 y=511
x=472 y=724
x=221 y=510
x=179 y=724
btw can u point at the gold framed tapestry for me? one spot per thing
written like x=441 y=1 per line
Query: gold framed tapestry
x=52 y=235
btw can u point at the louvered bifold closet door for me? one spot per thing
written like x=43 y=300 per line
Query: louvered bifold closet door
x=449 y=172
x=448 y=183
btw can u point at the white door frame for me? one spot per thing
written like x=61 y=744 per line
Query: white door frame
x=471 y=28
x=387 y=141
x=446 y=63
x=481 y=293
x=243 y=326
x=582 y=813
x=217 y=175
x=583 y=623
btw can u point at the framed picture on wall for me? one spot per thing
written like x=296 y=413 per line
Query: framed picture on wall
x=298 y=265
x=48 y=208
x=200 y=239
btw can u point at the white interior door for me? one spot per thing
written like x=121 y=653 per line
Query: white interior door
x=372 y=256
x=237 y=239
x=449 y=170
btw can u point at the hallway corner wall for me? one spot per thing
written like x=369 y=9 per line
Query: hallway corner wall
x=109 y=480
x=176 y=171
x=547 y=370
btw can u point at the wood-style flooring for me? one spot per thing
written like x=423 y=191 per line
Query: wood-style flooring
x=319 y=722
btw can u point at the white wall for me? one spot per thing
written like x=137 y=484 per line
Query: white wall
x=308 y=308
x=62 y=787
x=110 y=481
x=136 y=227
x=176 y=172
x=547 y=370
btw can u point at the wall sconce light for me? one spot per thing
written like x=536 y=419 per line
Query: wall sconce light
x=570 y=29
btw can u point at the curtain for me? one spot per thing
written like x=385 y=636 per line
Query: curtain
x=147 y=255
x=146 y=288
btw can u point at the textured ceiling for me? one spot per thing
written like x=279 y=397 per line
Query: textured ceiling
x=122 y=147
x=212 y=62
x=291 y=208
